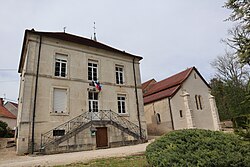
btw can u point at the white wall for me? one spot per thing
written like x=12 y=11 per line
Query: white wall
x=161 y=107
x=11 y=122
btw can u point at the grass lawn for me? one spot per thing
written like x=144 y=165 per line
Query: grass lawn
x=134 y=161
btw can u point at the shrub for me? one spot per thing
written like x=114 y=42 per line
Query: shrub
x=3 y=128
x=5 y=131
x=241 y=126
x=241 y=121
x=196 y=147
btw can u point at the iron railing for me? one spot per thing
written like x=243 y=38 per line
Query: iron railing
x=88 y=118
x=49 y=137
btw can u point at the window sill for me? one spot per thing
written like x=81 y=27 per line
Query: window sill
x=59 y=114
x=120 y=84
x=123 y=114
x=58 y=77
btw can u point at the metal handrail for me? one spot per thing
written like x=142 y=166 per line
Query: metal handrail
x=67 y=126
x=90 y=116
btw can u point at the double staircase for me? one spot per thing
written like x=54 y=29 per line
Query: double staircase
x=103 y=117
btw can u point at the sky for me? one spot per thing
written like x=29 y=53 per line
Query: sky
x=170 y=35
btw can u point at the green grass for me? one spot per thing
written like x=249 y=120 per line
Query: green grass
x=134 y=161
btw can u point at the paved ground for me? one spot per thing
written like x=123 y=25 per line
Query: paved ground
x=9 y=159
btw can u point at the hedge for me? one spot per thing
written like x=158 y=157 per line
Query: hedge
x=241 y=126
x=195 y=147
x=242 y=121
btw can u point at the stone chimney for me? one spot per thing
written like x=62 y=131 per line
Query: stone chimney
x=1 y=101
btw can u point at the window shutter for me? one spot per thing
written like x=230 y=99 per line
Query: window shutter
x=60 y=100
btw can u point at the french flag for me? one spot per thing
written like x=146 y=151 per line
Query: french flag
x=97 y=85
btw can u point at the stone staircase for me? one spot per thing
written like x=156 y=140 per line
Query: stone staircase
x=87 y=119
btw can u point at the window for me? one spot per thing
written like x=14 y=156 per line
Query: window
x=92 y=71
x=93 y=102
x=158 y=118
x=119 y=75
x=60 y=100
x=61 y=65
x=199 y=97
x=58 y=132
x=121 y=104
x=181 y=115
x=198 y=101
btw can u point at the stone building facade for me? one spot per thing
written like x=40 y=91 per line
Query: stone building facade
x=77 y=94
x=182 y=101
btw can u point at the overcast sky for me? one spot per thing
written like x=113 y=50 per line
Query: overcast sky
x=170 y=35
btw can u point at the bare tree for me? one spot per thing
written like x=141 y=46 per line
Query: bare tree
x=229 y=69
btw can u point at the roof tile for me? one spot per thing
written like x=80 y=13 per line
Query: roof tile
x=160 y=95
x=6 y=113
x=172 y=81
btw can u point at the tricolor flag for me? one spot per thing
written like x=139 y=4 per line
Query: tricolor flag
x=97 y=85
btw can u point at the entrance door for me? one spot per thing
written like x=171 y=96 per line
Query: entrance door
x=101 y=137
x=93 y=105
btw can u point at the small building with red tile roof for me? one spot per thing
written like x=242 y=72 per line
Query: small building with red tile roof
x=7 y=116
x=182 y=101
x=12 y=107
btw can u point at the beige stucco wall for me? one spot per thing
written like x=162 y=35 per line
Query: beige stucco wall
x=11 y=122
x=177 y=104
x=76 y=83
x=151 y=110
x=184 y=100
x=202 y=118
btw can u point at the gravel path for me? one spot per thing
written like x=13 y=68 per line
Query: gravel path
x=11 y=160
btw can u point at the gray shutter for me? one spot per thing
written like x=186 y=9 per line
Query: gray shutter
x=60 y=100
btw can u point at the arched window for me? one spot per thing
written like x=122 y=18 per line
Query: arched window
x=158 y=118
x=196 y=102
x=181 y=115
x=200 y=103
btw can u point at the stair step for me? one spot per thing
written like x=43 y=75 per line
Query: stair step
x=85 y=120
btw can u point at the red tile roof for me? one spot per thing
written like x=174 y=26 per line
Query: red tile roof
x=174 y=80
x=162 y=94
x=146 y=85
x=6 y=113
x=168 y=87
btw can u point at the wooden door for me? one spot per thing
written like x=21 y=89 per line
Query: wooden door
x=101 y=137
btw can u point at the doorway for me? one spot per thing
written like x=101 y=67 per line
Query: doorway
x=101 y=137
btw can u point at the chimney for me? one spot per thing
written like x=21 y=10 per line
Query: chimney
x=1 y=101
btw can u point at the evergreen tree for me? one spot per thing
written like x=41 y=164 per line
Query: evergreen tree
x=241 y=33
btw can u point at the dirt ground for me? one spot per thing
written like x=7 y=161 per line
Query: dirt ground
x=8 y=158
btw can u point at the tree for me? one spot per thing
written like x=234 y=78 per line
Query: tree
x=3 y=128
x=230 y=86
x=229 y=99
x=240 y=40
x=5 y=131
x=229 y=69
